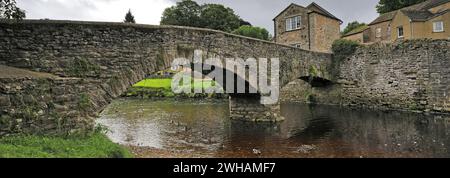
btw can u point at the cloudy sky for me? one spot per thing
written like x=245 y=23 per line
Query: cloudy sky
x=258 y=12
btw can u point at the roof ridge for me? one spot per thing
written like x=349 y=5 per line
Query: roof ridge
x=326 y=13
x=356 y=30
x=287 y=9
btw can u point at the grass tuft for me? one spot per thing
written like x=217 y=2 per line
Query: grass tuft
x=96 y=145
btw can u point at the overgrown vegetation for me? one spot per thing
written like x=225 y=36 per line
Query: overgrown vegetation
x=96 y=145
x=129 y=17
x=213 y=16
x=343 y=48
x=353 y=26
x=82 y=67
x=84 y=103
x=254 y=32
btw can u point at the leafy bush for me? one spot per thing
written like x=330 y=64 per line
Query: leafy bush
x=343 y=48
x=254 y=32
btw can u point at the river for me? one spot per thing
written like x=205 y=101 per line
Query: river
x=193 y=128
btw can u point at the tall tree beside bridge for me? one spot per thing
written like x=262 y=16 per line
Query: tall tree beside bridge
x=254 y=32
x=184 y=13
x=385 y=6
x=212 y=16
x=129 y=18
x=9 y=10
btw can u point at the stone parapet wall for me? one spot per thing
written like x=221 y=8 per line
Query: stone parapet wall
x=410 y=75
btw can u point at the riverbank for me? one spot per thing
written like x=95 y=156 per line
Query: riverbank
x=95 y=145
x=161 y=88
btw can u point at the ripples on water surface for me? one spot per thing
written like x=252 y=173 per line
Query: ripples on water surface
x=170 y=128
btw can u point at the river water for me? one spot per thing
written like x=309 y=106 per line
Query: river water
x=192 y=128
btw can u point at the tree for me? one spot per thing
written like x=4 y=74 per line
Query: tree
x=9 y=10
x=184 y=13
x=212 y=16
x=129 y=18
x=351 y=26
x=254 y=32
x=218 y=17
x=385 y=6
x=243 y=22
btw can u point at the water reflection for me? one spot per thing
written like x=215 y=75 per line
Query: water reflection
x=203 y=129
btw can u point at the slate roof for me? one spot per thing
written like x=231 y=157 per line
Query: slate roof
x=417 y=15
x=318 y=10
x=417 y=12
x=356 y=30
x=384 y=17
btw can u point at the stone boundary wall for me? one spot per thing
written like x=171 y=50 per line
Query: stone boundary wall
x=409 y=75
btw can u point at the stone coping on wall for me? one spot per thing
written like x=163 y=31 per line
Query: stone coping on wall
x=143 y=26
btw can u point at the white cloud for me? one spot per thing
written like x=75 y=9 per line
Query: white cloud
x=145 y=11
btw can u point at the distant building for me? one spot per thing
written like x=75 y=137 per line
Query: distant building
x=426 y=20
x=360 y=34
x=312 y=27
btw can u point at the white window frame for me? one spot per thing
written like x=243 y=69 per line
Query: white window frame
x=398 y=32
x=293 y=23
x=378 y=32
x=435 y=26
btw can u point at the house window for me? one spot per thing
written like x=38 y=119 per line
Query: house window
x=438 y=26
x=378 y=32
x=293 y=23
x=400 y=32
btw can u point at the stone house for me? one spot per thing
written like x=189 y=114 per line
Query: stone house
x=429 y=19
x=311 y=28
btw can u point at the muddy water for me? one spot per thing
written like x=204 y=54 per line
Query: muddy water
x=189 y=128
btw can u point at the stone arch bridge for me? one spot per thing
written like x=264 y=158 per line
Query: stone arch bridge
x=58 y=75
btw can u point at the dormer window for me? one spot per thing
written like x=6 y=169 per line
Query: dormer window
x=293 y=23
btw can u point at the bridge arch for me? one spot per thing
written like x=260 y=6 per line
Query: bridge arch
x=95 y=62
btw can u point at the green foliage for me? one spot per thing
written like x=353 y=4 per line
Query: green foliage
x=310 y=97
x=155 y=83
x=352 y=26
x=9 y=10
x=212 y=16
x=342 y=48
x=254 y=32
x=96 y=145
x=129 y=18
x=81 y=67
x=313 y=71
x=385 y=6
x=84 y=102
x=162 y=88
x=185 y=13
